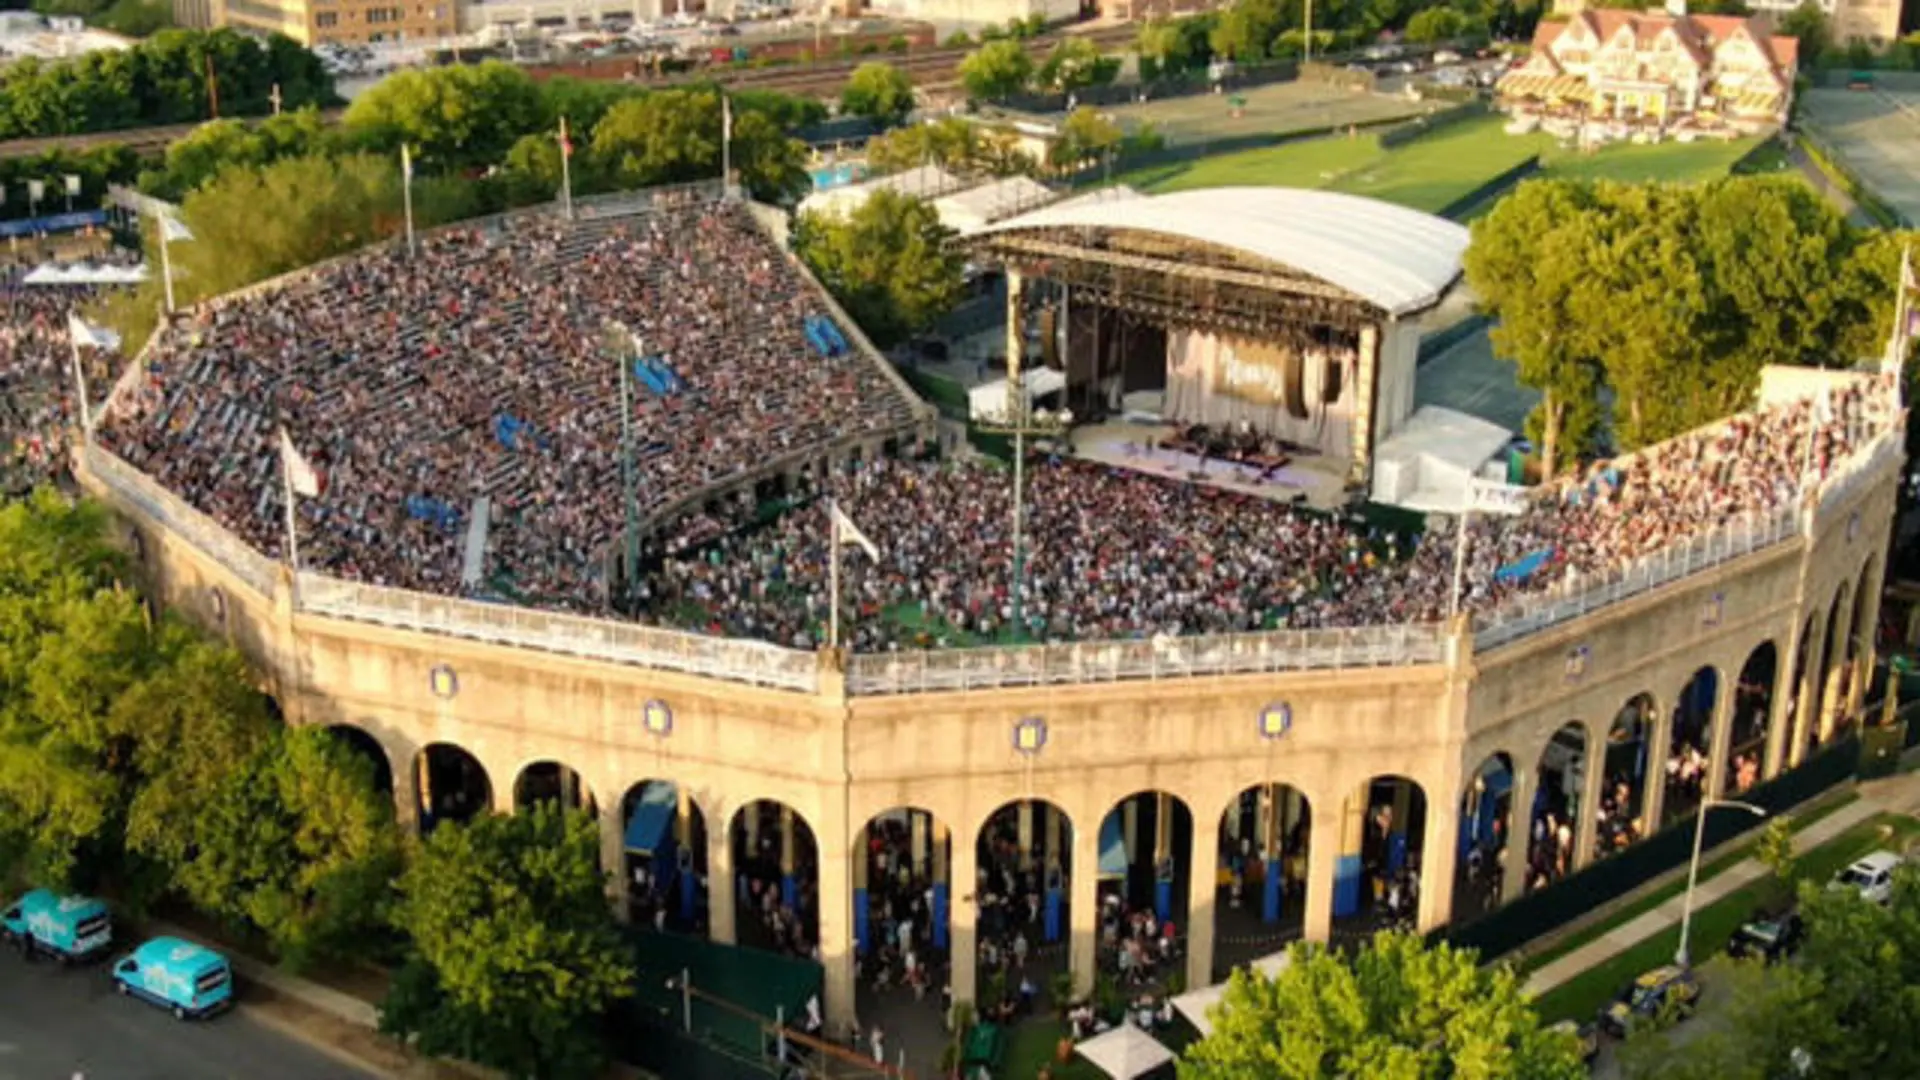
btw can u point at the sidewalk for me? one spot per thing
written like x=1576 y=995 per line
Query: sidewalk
x=1899 y=794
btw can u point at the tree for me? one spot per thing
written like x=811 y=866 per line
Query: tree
x=1774 y=850
x=1809 y=24
x=878 y=91
x=771 y=165
x=1163 y=48
x=1246 y=31
x=995 y=70
x=453 y=117
x=1085 y=135
x=515 y=959
x=1770 y=1013
x=669 y=136
x=1396 y=1010
x=200 y=155
x=890 y=263
x=951 y=143
x=295 y=842
x=1435 y=24
x=1075 y=64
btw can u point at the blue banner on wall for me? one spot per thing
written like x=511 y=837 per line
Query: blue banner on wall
x=79 y=219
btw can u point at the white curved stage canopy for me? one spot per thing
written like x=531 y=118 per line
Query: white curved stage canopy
x=1397 y=259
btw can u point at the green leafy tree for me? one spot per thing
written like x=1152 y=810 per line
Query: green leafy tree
x=772 y=166
x=1809 y=24
x=1085 y=135
x=669 y=136
x=890 y=263
x=453 y=117
x=790 y=112
x=200 y=155
x=1395 y=1010
x=1435 y=24
x=878 y=91
x=1774 y=850
x=1074 y=64
x=1770 y=1012
x=1246 y=31
x=296 y=842
x=996 y=70
x=515 y=957
x=1162 y=48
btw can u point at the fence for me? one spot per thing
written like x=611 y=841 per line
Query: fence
x=1696 y=553
x=1164 y=658
x=1497 y=185
x=735 y=660
x=162 y=507
x=1420 y=127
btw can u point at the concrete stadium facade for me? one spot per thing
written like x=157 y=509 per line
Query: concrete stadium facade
x=841 y=740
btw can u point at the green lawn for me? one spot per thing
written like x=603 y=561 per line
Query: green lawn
x=1708 y=870
x=1580 y=998
x=1430 y=173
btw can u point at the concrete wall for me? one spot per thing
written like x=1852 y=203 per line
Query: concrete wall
x=839 y=760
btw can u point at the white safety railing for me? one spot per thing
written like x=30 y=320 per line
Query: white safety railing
x=163 y=507
x=590 y=638
x=1162 y=658
x=1531 y=614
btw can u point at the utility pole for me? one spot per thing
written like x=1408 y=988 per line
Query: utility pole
x=213 y=90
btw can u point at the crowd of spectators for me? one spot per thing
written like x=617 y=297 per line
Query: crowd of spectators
x=1115 y=553
x=37 y=405
x=485 y=365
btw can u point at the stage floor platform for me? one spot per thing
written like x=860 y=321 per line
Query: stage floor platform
x=1135 y=446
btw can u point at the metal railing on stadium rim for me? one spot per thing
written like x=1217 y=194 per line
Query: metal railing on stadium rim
x=732 y=659
x=163 y=507
x=1160 y=658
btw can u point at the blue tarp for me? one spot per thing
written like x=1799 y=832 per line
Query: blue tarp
x=657 y=376
x=1113 y=848
x=824 y=336
x=652 y=820
x=79 y=219
x=512 y=431
x=422 y=508
x=1525 y=568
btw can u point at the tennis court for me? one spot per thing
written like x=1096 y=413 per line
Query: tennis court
x=1877 y=134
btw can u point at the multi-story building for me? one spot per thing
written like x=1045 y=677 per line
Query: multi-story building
x=344 y=22
x=1639 y=73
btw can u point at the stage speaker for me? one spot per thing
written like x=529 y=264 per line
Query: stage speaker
x=1330 y=382
x=1296 y=374
x=1050 y=337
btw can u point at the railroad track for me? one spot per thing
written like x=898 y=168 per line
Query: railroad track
x=932 y=69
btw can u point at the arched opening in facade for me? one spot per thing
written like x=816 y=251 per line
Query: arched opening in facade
x=1623 y=788
x=550 y=781
x=778 y=863
x=1829 y=690
x=664 y=845
x=1486 y=819
x=1559 y=796
x=1860 y=649
x=454 y=786
x=361 y=742
x=1752 y=717
x=1024 y=856
x=1376 y=879
x=1146 y=853
x=1800 y=695
x=1261 y=876
x=902 y=892
x=1688 y=746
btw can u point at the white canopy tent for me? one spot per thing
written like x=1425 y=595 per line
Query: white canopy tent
x=1124 y=1052
x=1194 y=1003
x=988 y=401
x=84 y=274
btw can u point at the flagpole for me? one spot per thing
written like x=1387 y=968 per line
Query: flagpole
x=406 y=195
x=1460 y=558
x=80 y=388
x=166 y=263
x=566 y=171
x=726 y=143
x=293 y=532
x=833 y=574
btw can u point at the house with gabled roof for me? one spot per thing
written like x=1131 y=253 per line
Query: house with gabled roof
x=1639 y=73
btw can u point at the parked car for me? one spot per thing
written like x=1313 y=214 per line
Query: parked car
x=1871 y=877
x=1650 y=995
x=188 y=980
x=1769 y=937
x=1587 y=1035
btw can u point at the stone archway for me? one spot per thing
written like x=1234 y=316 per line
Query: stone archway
x=1752 y=718
x=1486 y=822
x=1264 y=838
x=777 y=862
x=550 y=781
x=1829 y=688
x=454 y=786
x=1689 y=744
x=1558 y=806
x=362 y=742
x=1377 y=871
x=664 y=855
x=1629 y=765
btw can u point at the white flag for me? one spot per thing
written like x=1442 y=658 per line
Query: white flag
x=36 y=190
x=173 y=230
x=726 y=119
x=1490 y=497
x=88 y=337
x=300 y=475
x=73 y=184
x=846 y=532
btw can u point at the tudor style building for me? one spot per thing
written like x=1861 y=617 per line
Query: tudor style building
x=1655 y=74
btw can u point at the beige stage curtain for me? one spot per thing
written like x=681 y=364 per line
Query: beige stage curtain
x=1305 y=398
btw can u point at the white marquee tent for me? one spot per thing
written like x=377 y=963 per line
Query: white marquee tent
x=1194 y=1003
x=988 y=401
x=84 y=274
x=1124 y=1052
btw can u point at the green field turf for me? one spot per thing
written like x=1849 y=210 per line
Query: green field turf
x=1430 y=173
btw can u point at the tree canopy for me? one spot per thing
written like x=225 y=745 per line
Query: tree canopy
x=458 y=116
x=878 y=91
x=514 y=960
x=996 y=70
x=1394 y=1010
x=890 y=263
x=162 y=80
x=1671 y=298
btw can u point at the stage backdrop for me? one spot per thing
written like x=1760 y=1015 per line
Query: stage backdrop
x=1303 y=396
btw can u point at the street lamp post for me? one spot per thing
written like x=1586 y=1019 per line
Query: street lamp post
x=1693 y=868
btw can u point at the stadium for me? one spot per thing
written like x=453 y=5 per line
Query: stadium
x=1313 y=727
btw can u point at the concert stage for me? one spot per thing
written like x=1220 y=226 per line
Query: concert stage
x=1310 y=480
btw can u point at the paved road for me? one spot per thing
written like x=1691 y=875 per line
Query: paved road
x=55 y=1022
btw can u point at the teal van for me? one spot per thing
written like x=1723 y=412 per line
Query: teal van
x=69 y=927
x=186 y=979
